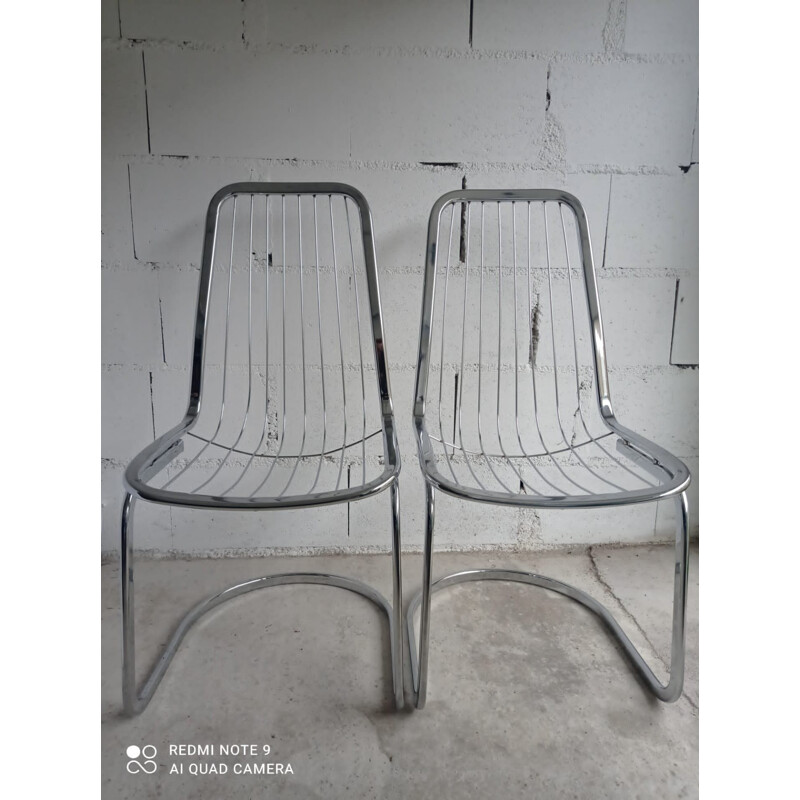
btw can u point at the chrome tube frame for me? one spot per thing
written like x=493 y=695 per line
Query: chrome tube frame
x=672 y=475
x=158 y=456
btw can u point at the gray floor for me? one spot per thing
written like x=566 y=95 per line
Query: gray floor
x=528 y=696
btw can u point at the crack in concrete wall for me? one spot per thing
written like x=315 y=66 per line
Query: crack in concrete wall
x=608 y=221
x=161 y=323
x=535 y=332
x=462 y=241
x=152 y=404
x=553 y=149
x=146 y=104
x=130 y=206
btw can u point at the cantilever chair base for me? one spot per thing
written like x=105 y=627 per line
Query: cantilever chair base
x=135 y=701
x=668 y=693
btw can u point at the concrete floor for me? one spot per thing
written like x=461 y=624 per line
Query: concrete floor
x=528 y=696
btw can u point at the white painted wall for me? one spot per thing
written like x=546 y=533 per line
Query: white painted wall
x=597 y=96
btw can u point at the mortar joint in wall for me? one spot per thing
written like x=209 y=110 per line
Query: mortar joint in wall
x=606 y=56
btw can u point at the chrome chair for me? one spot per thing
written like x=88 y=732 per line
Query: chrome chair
x=509 y=358
x=289 y=362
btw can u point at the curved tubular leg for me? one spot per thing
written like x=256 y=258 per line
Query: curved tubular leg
x=396 y=617
x=135 y=702
x=129 y=699
x=668 y=693
x=419 y=670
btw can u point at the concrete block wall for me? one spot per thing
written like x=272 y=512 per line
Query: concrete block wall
x=404 y=100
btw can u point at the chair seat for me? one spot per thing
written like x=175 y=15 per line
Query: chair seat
x=201 y=473
x=606 y=470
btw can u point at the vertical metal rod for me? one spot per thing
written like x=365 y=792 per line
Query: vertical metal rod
x=212 y=440
x=397 y=633
x=227 y=319
x=552 y=325
x=572 y=319
x=480 y=336
x=499 y=319
x=283 y=329
x=302 y=347
x=128 y=621
x=600 y=446
x=249 y=363
x=678 y=655
x=500 y=332
x=516 y=352
x=480 y=355
x=265 y=426
x=555 y=365
x=321 y=359
x=533 y=377
x=533 y=373
x=360 y=349
x=341 y=346
x=444 y=325
x=283 y=347
x=267 y=259
x=463 y=346
x=420 y=680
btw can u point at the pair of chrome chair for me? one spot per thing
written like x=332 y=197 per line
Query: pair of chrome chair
x=289 y=360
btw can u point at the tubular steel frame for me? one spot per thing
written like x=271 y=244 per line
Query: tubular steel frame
x=657 y=474
x=158 y=456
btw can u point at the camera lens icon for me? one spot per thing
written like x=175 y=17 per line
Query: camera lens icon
x=147 y=753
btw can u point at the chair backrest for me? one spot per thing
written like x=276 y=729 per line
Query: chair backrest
x=511 y=339
x=289 y=385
